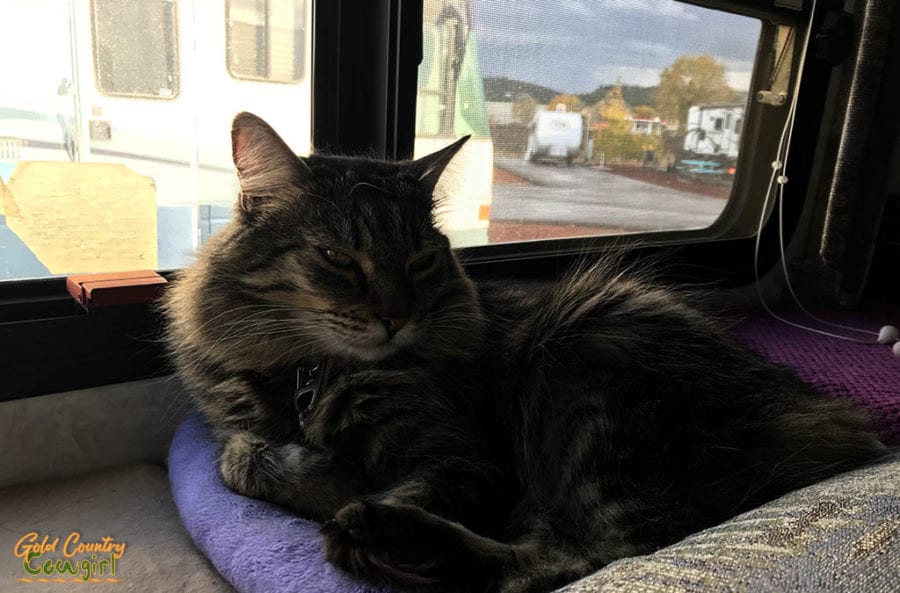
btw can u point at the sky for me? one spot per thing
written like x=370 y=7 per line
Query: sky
x=577 y=45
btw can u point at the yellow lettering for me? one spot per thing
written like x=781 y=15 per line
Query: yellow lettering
x=118 y=550
x=72 y=540
x=25 y=544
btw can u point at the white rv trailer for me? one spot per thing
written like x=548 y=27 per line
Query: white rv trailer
x=714 y=130
x=159 y=97
x=82 y=83
x=554 y=135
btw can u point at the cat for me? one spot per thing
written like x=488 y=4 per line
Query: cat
x=454 y=436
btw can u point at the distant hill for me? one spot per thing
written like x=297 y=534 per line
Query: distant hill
x=500 y=88
x=633 y=95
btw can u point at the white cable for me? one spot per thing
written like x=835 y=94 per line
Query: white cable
x=779 y=176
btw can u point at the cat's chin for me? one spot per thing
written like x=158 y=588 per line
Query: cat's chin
x=374 y=352
x=380 y=346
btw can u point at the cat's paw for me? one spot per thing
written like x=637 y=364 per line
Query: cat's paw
x=377 y=540
x=246 y=463
x=362 y=398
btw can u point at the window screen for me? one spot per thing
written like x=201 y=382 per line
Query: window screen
x=587 y=118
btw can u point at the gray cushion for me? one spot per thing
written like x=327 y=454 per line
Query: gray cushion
x=133 y=505
x=839 y=535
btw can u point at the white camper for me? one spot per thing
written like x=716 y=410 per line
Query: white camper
x=714 y=130
x=554 y=135
x=159 y=98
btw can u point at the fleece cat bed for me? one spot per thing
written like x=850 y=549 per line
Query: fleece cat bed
x=260 y=547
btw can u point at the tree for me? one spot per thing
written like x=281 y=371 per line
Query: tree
x=644 y=112
x=523 y=108
x=691 y=80
x=613 y=107
x=572 y=103
x=614 y=138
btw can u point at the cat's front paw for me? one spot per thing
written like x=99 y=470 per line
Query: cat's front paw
x=376 y=540
x=245 y=463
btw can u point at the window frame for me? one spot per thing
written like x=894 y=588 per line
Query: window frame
x=49 y=344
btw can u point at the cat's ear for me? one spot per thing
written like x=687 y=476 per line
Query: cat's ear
x=265 y=163
x=429 y=169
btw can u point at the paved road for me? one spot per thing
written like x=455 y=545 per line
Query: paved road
x=594 y=197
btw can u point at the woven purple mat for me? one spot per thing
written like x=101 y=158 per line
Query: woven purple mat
x=869 y=374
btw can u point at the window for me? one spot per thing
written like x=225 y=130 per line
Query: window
x=483 y=70
x=588 y=118
x=136 y=61
x=97 y=173
x=266 y=39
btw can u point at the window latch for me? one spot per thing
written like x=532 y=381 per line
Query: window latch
x=118 y=288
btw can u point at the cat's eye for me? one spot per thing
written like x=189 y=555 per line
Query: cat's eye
x=422 y=263
x=336 y=258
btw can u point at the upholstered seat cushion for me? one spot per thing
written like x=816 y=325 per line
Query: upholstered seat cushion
x=841 y=535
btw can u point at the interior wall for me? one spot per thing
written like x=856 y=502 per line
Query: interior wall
x=77 y=432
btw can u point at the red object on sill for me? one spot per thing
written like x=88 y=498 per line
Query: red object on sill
x=119 y=288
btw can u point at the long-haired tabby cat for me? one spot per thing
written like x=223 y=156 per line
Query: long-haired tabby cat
x=467 y=437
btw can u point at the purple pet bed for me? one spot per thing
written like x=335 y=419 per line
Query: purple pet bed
x=257 y=546
x=260 y=547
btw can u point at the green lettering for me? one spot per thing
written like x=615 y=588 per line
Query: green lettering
x=86 y=567
x=26 y=564
x=65 y=566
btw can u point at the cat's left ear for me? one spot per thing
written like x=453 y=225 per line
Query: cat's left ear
x=429 y=169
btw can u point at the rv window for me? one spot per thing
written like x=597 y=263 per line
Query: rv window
x=97 y=173
x=265 y=39
x=588 y=118
x=136 y=61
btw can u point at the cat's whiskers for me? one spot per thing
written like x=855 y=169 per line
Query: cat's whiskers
x=232 y=310
x=235 y=327
x=240 y=331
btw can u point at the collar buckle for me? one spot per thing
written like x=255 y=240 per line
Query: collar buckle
x=308 y=386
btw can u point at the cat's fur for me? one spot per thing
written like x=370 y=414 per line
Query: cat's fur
x=499 y=436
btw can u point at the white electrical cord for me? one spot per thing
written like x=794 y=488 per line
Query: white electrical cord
x=888 y=333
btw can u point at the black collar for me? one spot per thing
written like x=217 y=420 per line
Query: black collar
x=310 y=382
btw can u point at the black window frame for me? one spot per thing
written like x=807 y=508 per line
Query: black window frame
x=364 y=97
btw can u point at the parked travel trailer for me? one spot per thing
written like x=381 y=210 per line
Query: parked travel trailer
x=714 y=130
x=159 y=99
x=554 y=135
